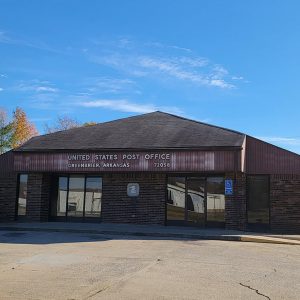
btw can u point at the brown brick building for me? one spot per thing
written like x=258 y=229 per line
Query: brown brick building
x=155 y=168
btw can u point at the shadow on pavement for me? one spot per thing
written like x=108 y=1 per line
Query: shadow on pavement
x=38 y=237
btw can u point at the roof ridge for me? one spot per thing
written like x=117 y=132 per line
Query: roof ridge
x=126 y=118
x=97 y=124
x=203 y=123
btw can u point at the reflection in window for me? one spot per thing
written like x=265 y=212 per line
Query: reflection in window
x=258 y=199
x=22 y=197
x=215 y=200
x=93 y=194
x=196 y=200
x=62 y=196
x=176 y=198
x=76 y=196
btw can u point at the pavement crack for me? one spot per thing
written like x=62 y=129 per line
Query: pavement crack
x=97 y=292
x=253 y=289
x=123 y=279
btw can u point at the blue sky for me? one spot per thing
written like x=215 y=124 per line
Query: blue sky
x=230 y=63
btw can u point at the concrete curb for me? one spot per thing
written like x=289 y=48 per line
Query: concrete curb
x=236 y=238
x=262 y=239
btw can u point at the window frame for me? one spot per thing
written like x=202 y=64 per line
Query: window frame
x=66 y=217
x=258 y=226
x=17 y=216
x=204 y=176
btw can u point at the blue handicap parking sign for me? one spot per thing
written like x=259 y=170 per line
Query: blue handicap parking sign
x=228 y=187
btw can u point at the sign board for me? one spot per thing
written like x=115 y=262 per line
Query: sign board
x=123 y=161
x=228 y=187
x=133 y=189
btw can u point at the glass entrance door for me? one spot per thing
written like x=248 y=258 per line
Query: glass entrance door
x=186 y=203
x=196 y=201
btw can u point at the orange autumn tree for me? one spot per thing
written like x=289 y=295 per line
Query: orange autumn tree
x=23 y=130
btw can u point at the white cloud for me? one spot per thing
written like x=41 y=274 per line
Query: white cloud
x=45 y=89
x=281 y=140
x=3 y=37
x=36 y=86
x=175 y=68
x=8 y=38
x=111 y=85
x=193 y=61
x=127 y=106
x=190 y=68
x=45 y=101
x=237 y=77
x=160 y=45
x=221 y=83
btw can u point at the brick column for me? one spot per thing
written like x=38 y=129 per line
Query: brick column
x=235 y=205
x=8 y=196
x=148 y=208
x=285 y=203
x=38 y=195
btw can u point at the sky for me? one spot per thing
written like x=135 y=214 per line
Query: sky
x=234 y=64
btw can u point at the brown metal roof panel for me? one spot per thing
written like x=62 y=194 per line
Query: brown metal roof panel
x=264 y=158
x=6 y=163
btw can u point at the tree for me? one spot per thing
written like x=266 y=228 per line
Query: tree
x=62 y=123
x=91 y=123
x=6 y=130
x=23 y=130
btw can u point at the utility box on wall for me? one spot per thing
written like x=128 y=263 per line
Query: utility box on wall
x=133 y=190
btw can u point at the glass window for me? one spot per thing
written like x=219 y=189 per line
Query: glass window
x=93 y=195
x=62 y=196
x=176 y=198
x=215 y=200
x=258 y=199
x=195 y=200
x=76 y=196
x=22 y=197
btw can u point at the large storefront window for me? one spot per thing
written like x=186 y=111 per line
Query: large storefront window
x=258 y=201
x=196 y=201
x=78 y=196
x=62 y=196
x=93 y=195
x=176 y=198
x=215 y=200
x=22 y=196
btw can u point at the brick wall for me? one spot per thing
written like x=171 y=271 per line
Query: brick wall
x=8 y=196
x=285 y=203
x=148 y=208
x=235 y=205
x=38 y=193
x=8 y=187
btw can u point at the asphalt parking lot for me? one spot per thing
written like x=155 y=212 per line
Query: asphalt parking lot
x=44 y=265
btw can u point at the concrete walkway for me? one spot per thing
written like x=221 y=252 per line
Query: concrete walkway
x=154 y=231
